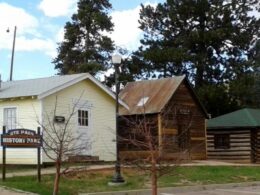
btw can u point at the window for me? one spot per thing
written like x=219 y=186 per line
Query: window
x=222 y=141
x=83 y=118
x=10 y=118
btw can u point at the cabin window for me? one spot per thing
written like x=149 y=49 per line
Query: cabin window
x=222 y=141
x=10 y=118
x=83 y=117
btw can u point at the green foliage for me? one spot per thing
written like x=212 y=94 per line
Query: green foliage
x=85 y=47
x=217 y=98
x=209 y=41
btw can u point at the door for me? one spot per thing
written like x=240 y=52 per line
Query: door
x=10 y=118
x=83 y=131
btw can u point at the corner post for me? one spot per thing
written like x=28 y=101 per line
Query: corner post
x=39 y=155
x=4 y=155
x=160 y=134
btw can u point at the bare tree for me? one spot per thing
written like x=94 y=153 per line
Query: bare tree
x=59 y=138
x=154 y=153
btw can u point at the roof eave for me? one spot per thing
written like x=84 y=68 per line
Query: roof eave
x=74 y=81
x=134 y=114
x=232 y=127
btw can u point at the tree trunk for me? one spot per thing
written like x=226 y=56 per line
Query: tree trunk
x=154 y=177
x=57 y=178
x=199 y=75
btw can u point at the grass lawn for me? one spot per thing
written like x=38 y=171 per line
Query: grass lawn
x=96 y=181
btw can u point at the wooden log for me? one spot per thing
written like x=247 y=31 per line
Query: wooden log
x=198 y=138
x=213 y=132
x=211 y=149
x=198 y=156
x=240 y=136
x=135 y=154
x=229 y=157
x=169 y=131
x=230 y=153
x=232 y=141
x=160 y=132
x=233 y=160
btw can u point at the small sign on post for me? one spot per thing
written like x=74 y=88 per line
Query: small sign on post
x=21 y=138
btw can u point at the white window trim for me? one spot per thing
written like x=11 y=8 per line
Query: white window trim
x=17 y=114
x=83 y=109
x=83 y=105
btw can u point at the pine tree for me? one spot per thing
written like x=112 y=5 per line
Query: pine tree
x=208 y=40
x=196 y=36
x=85 y=47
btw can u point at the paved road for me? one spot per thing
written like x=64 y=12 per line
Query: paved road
x=250 y=190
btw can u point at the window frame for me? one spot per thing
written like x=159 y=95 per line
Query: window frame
x=222 y=141
x=5 y=119
x=83 y=117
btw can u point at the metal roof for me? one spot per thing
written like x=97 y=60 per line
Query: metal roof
x=157 y=93
x=43 y=87
x=244 y=118
x=33 y=87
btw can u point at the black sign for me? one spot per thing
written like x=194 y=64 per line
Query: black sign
x=59 y=119
x=21 y=138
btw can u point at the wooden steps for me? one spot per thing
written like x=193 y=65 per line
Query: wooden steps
x=83 y=158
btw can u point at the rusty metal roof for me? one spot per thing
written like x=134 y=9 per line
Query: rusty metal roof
x=148 y=96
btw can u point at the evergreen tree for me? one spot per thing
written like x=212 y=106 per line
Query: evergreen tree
x=208 y=40
x=129 y=69
x=85 y=47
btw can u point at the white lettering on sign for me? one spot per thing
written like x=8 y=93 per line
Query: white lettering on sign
x=21 y=132
x=14 y=140
x=21 y=138
x=33 y=140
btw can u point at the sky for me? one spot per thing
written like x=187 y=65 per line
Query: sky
x=40 y=26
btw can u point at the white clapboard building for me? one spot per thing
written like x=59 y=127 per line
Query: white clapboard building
x=26 y=103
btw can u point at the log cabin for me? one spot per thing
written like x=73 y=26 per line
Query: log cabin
x=175 y=118
x=234 y=137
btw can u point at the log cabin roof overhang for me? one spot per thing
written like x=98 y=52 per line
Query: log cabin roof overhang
x=152 y=96
x=246 y=118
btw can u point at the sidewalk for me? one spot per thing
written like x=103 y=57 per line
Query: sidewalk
x=186 y=190
x=9 y=191
x=51 y=170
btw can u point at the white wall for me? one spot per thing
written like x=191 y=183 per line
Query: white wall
x=28 y=113
x=102 y=108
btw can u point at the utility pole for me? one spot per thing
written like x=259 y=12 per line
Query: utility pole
x=13 y=49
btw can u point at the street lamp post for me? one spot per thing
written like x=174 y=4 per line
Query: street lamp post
x=12 y=59
x=117 y=178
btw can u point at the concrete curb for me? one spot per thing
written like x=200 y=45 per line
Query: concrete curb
x=17 y=190
x=177 y=189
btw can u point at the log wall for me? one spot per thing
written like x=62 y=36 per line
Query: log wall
x=255 y=142
x=183 y=117
x=180 y=129
x=239 y=146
